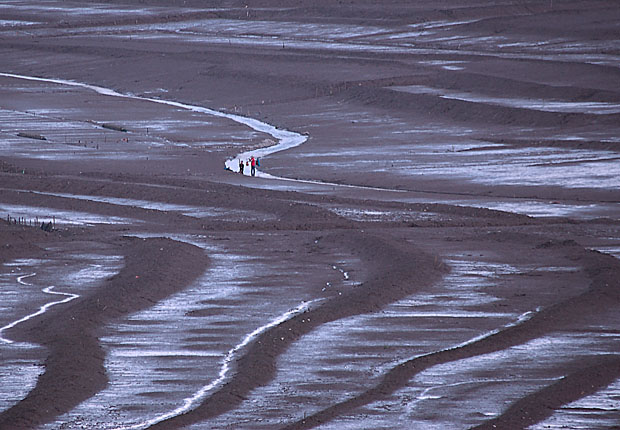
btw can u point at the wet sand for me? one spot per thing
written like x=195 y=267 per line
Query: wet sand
x=437 y=249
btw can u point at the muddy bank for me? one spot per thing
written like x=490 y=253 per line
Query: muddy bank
x=599 y=372
x=394 y=272
x=74 y=371
x=460 y=169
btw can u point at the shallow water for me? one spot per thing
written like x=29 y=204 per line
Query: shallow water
x=192 y=211
x=355 y=352
x=567 y=168
x=610 y=249
x=29 y=288
x=565 y=106
x=541 y=208
x=456 y=158
x=467 y=392
x=599 y=411
x=60 y=217
x=285 y=139
x=153 y=377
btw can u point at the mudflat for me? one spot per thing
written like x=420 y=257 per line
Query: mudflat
x=431 y=239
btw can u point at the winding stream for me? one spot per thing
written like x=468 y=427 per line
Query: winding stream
x=42 y=309
x=286 y=139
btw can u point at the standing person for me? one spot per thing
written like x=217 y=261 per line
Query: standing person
x=241 y=166
x=253 y=163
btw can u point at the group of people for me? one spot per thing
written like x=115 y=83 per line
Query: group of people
x=252 y=163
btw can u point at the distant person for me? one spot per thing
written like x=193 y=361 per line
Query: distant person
x=241 y=166
x=257 y=162
x=253 y=164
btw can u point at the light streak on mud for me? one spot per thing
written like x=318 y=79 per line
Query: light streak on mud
x=195 y=400
x=287 y=139
x=42 y=309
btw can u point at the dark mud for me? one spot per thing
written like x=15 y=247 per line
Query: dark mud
x=481 y=134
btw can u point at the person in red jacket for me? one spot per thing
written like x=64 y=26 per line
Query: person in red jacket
x=253 y=164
